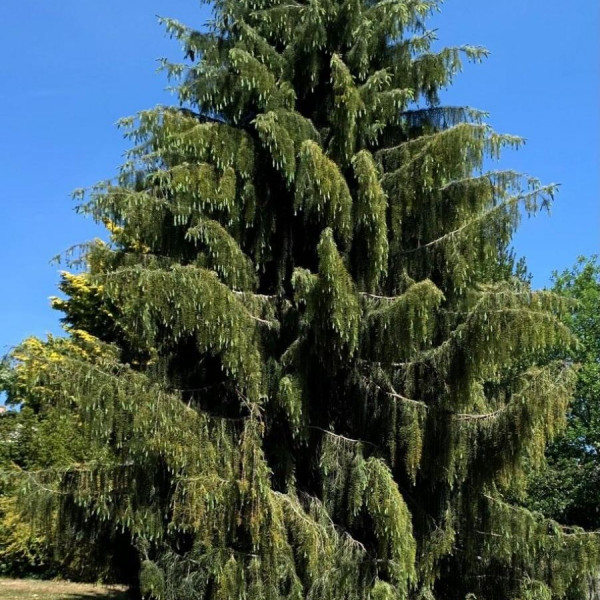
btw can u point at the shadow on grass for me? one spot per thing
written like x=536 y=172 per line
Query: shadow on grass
x=28 y=589
x=100 y=595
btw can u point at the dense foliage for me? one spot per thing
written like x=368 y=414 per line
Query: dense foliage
x=568 y=489
x=44 y=437
x=307 y=366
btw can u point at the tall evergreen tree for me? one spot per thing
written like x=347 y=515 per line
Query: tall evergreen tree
x=315 y=374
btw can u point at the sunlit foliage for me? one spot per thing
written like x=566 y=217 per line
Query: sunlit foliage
x=311 y=368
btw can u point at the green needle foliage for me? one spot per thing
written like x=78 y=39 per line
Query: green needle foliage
x=315 y=374
x=44 y=437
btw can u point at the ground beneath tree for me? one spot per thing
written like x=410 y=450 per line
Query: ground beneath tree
x=30 y=589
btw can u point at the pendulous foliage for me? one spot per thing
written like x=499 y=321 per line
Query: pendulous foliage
x=44 y=437
x=316 y=374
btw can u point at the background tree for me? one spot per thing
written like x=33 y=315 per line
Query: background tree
x=569 y=488
x=316 y=376
x=43 y=436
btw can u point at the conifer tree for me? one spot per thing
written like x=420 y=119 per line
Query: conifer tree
x=315 y=374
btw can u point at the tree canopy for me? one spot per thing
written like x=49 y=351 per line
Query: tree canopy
x=568 y=489
x=305 y=354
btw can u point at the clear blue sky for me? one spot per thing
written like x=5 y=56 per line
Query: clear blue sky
x=71 y=68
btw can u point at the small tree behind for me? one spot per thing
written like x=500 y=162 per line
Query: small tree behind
x=569 y=488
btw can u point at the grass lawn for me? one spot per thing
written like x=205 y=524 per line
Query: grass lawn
x=30 y=589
